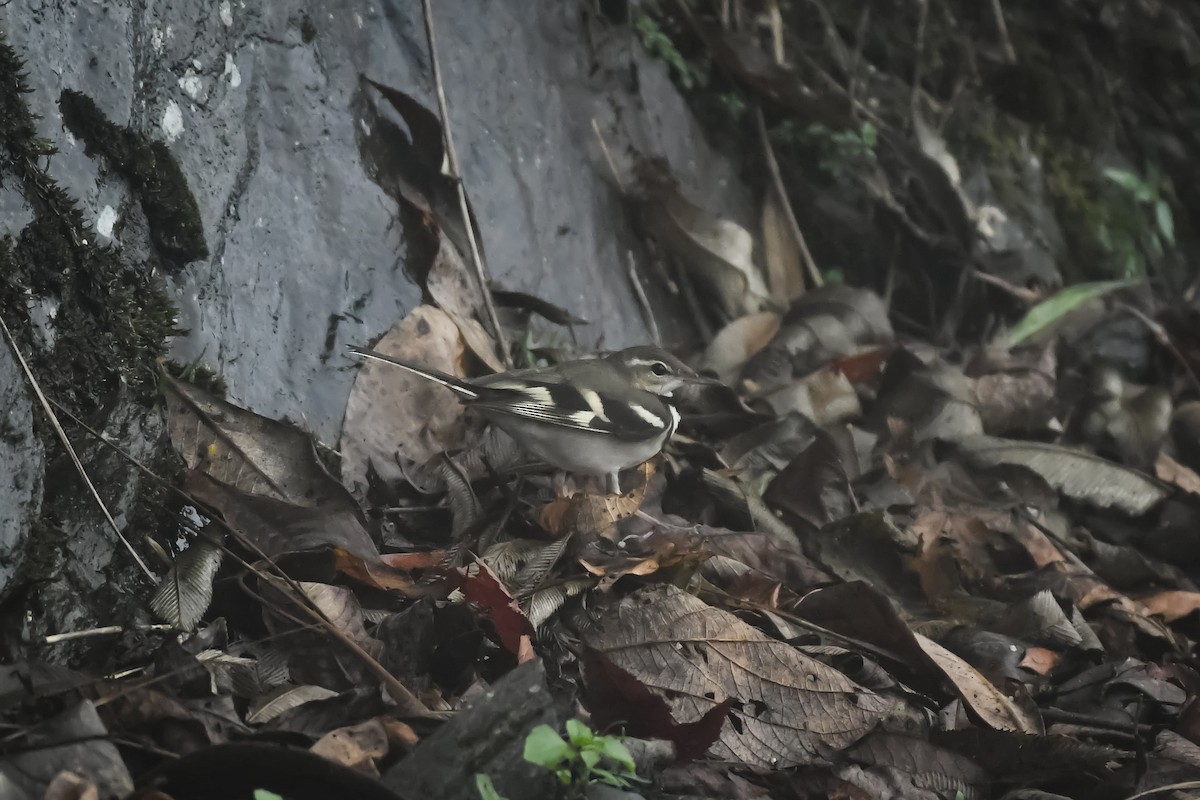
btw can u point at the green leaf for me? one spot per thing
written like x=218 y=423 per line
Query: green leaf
x=870 y=135
x=611 y=778
x=564 y=776
x=590 y=756
x=1130 y=182
x=579 y=734
x=1133 y=264
x=487 y=791
x=615 y=749
x=1165 y=220
x=544 y=747
x=1051 y=311
x=264 y=794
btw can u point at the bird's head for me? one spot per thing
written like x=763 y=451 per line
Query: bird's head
x=653 y=369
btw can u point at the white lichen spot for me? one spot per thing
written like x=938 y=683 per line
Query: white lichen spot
x=105 y=222
x=191 y=84
x=358 y=20
x=196 y=63
x=156 y=40
x=232 y=72
x=225 y=12
x=172 y=121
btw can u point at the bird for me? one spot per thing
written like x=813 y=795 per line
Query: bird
x=591 y=416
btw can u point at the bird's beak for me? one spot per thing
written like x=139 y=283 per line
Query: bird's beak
x=702 y=380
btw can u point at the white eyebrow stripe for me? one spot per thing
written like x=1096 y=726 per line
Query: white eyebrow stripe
x=594 y=403
x=647 y=415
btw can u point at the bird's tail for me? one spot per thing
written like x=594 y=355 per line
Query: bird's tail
x=459 y=387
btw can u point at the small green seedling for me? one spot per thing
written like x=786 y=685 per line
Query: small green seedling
x=1140 y=226
x=583 y=758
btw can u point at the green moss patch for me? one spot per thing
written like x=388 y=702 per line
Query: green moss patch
x=108 y=318
x=152 y=173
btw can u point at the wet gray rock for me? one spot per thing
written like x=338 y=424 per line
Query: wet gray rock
x=487 y=736
x=22 y=465
x=306 y=253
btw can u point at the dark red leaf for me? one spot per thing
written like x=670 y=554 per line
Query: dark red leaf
x=616 y=697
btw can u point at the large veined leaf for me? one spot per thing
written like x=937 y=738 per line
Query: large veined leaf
x=1079 y=475
x=789 y=709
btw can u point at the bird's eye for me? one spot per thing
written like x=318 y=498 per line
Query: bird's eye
x=659 y=368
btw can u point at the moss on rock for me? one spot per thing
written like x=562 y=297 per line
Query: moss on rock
x=152 y=172
x=108 y=316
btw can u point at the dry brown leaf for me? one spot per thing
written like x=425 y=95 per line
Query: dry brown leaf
x=1172 y=605
x=717 y=252
x=1079 y=475
x=285 y=699
x=826 y=397
x=1169 y=470
x=457 y=292
x=996 y=709
x=69 y=786
x=247 y=451
x=942 y=772
x=792 y=709
x=340 y=606
x=781 y=251
x=594 y=514
x=738 y=342
x=355 y=746
x=825 y=324
x=391 y=411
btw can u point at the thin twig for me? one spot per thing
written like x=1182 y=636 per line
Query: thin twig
x=456 y=174
x=919 y=47
x=1002 y=29
x=408 y=702
x=775 y=19
x=612 y=165
x=643 y=301
x=1024 y=295
x=1160 y=333
x=395 y=688
x=860 y=37
x=107 y=630
x=810 y=264
x=62 y=436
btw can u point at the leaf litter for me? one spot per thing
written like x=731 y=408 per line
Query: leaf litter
x=877 y=565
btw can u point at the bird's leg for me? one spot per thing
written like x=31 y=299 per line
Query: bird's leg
x=612 y=483
x=559 y=483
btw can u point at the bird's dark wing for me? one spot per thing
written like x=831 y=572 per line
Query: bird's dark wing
x=642 y=415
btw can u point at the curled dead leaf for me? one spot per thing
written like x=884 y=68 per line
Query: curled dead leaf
x=590 y=515
x=391 y=412
x=717 y=252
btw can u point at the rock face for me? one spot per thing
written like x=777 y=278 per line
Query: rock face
x=21 y=470
x=305 y=252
